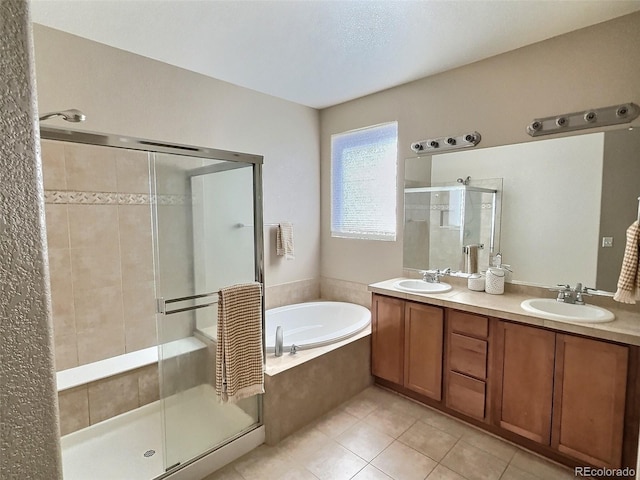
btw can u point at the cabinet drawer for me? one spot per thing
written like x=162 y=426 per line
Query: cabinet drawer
x=468 y=355
x=469 y=324
x=466 y=395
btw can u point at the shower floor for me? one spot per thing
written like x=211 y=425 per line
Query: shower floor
x=121 y=447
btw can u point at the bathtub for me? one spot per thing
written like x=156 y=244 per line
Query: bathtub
x=314 y=324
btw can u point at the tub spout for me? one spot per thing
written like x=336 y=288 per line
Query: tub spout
x=279 y=341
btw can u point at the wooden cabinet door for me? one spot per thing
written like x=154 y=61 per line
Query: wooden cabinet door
x=589 y=400
x=424 y=337
x=524 y=399
x=387 y=338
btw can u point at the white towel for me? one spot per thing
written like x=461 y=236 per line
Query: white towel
x=239 y=361
x=284 y=241
x=629 y=281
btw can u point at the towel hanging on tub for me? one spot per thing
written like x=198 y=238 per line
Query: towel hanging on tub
x=629 y=281
x=239 y=360
x=284 y=241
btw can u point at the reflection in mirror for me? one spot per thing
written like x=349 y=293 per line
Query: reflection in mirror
x=560 y=198
x=459 y=221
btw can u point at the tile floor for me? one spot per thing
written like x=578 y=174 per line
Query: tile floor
x=378 y=435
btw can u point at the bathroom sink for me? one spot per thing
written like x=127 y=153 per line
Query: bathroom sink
x=420 y=286
x=551 y=309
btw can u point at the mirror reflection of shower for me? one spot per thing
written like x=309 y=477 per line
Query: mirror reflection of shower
x=445 y=220
x=72 y=115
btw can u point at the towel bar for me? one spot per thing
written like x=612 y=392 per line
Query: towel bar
x=186 y=309
x=161 y=303
x=245 y=225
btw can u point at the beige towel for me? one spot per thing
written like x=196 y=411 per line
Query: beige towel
x=239 y=361
x=284 y=241
x=629 y=281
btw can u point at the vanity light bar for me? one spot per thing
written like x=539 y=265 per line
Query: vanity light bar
x=441 y=144
x=598 y=117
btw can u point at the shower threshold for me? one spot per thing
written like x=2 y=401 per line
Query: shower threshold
x=130 y=446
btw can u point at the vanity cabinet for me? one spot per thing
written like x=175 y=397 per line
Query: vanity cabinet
x=407 y=343
x=572 y=398
x=564 y=391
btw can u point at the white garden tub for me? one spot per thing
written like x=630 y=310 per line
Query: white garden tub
x=315 y=324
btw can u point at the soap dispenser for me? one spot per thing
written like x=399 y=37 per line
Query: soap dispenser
x=494 y=283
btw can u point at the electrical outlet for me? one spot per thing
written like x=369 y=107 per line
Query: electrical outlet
x=607 y=241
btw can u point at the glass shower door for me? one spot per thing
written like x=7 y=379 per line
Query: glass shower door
x=204 y=219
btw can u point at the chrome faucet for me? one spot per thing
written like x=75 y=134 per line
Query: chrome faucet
x=279 y=341
x=433 y=276
x=566 y=294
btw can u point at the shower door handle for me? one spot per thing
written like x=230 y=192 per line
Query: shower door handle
x=161 y=303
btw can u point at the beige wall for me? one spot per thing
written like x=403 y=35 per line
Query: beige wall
x=589 y=68
x=122 y=92
x=29 y=446
x=128 y=94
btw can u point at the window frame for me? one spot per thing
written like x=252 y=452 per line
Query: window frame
x=380 y=134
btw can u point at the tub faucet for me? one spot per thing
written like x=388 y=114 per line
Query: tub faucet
x=294 y=349
x=279 y=341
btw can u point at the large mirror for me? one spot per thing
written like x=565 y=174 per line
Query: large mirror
x=565 y=205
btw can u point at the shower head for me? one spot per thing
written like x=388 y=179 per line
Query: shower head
x=71 y=115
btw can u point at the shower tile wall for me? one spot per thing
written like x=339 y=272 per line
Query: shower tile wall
x=98 y=401
x=98 y=221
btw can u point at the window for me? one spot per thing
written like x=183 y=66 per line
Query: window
x=363 y=183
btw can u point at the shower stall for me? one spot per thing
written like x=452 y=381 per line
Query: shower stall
x=141 y=237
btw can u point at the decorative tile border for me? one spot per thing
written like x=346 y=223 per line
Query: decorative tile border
x=133 y=198
x=93 y=198
x=110 y=198
x=172 y=199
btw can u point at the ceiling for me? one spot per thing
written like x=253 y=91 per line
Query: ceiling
x=321 y=53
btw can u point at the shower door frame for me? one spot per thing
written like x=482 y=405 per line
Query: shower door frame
x=154 y=146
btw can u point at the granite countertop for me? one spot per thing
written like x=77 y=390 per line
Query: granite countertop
x=624 y=329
